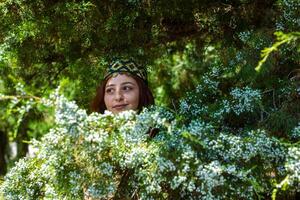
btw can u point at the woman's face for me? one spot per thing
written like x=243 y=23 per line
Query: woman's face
x=121 y=93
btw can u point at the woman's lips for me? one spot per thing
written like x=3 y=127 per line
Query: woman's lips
x=120 y=106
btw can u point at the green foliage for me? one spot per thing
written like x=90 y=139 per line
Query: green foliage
x=46 y=41
x=92 y=155
x=203 y=60
x=281 y=39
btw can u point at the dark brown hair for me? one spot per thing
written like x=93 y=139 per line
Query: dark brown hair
x=145 y=95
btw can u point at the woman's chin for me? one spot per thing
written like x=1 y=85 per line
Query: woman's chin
x=116 y=111
x=119 y=110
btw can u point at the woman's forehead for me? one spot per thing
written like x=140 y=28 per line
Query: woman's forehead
x=119 y=79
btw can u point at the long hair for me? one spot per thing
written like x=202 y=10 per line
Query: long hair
x=145 y=96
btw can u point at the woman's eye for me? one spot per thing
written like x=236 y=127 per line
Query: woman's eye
x=110 y=90
x=127 y=88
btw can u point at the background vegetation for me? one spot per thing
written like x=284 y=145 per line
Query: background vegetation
x=215 y=45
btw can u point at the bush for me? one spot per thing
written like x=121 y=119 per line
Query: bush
x=105 y=156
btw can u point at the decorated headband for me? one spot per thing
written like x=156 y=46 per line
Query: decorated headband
x=126 y=66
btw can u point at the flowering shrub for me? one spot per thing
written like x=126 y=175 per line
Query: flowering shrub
x=104 y=156
x=296 y=133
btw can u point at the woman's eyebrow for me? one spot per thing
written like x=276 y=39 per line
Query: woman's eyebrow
x=124 y=83
x=110 y=85
x=127 y=83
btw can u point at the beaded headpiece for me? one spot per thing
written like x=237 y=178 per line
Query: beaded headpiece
x=126 y=66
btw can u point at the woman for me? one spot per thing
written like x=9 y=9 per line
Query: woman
x=125 y=87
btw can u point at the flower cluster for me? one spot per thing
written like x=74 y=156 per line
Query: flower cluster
x=208 y=103
x=290 y=14
x=112 y=156
x=293 y=167
x=245 y=100
x=296 y=133
x=245 y=36
x=193 y=104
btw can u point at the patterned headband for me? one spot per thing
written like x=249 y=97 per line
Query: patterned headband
x=126 y=66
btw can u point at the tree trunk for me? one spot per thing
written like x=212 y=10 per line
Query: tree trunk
x=22 y=147
x=3 y=146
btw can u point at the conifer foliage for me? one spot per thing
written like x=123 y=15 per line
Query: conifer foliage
x=225 y=76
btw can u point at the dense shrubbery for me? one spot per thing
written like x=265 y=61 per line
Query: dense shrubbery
x=196 y=154
x=236 y=135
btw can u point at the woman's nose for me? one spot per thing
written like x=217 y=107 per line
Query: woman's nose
x=118 y=95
